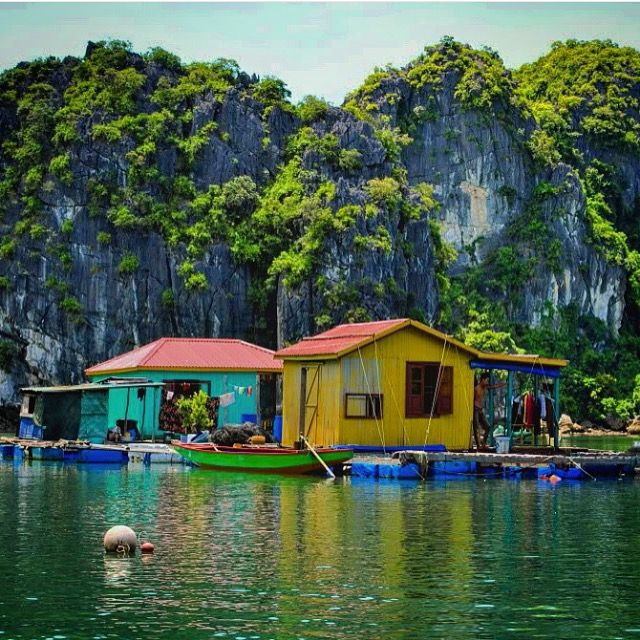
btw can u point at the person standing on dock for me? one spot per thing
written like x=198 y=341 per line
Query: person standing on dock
x=480 y=424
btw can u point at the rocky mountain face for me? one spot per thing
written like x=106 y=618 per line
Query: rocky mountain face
x=488 y=185
x=142 y=198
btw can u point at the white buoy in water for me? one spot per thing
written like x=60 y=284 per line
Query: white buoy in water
x=120 y=539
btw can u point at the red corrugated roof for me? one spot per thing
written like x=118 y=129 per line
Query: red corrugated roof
x=345 y=338
x=192 y=353
x=339 y=339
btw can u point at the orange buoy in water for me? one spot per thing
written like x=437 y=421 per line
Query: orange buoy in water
x=147 y=547
x=554 y=478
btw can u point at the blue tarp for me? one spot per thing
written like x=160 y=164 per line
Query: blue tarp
x=535 y=369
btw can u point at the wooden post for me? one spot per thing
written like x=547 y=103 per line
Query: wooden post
x=257 y=399
x=225 y=410
x=126 y=412
x=156 y=411
x=556 y=410
x=508 y=403
x=144 y=411
x=491 y=416
x=303 y=400
x=536 y=427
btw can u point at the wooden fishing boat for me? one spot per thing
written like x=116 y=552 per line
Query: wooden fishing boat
x=262 y=459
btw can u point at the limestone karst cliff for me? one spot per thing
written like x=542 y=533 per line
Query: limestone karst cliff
x=143 y=197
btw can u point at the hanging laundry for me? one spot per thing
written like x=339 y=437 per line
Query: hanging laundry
x=528 y=410
x=249 y=391
x=551 y=415
x=542 y=401
x=517 y=409
x=227 y=398
x=537 y=415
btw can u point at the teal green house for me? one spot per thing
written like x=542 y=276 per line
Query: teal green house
x=245 y=377
x=81 y=411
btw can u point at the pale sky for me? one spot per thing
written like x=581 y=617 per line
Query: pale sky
x=325 y=49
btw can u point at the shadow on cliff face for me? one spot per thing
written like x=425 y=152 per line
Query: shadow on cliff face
x=9 y=418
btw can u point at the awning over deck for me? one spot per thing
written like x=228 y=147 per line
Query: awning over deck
x=93 y=386
x=537 y=369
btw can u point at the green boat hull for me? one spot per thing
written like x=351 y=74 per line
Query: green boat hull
x=263 y=459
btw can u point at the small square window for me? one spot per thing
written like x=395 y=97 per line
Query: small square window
x=363 y=405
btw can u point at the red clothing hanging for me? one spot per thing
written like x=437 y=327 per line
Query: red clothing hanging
x=528 y=410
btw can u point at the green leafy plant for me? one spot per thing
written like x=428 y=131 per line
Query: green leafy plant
x=311 y=109
x=71 y=306
x=194 y=412
x=129 y=264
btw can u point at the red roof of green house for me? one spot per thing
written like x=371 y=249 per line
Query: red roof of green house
x=205 y=354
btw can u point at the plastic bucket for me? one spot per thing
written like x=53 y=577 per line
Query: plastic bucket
x=503 y=444
x=277 y=428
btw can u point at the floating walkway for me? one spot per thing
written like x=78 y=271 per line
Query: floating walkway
x=567 y=464
x=83 y=452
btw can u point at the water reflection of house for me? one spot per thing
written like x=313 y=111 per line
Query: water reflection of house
x=391 y=383
x=245 y=376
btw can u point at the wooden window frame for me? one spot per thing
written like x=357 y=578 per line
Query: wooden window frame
x=443 y=404
x=28 y=404
x=370 y=411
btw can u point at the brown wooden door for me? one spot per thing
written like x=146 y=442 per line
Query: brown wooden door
x=415 y=390
x=309 y=399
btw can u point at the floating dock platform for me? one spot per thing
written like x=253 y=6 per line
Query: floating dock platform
x=566 y=464
x=83 y=452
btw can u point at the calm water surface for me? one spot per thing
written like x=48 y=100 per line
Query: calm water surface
x=256 y=557
x=608 y=442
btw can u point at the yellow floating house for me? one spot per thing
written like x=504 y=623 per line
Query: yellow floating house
x=394 y=383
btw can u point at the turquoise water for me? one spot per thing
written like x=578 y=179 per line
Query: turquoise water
x=261 y=557
x=609 y=443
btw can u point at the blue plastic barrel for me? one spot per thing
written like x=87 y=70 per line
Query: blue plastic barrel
x=277 y=428
x=249 y=417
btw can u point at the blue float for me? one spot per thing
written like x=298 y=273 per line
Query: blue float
x=47 y=453
x=399 y=472
x=455 y=468
x=102 y=456
x=364 y=470
x=6 y=450
x=571 y=473
x=409 y=471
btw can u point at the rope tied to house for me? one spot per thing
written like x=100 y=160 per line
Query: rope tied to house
x=375 y=347
x=446 y=345
x=397 y=405
x=375 y=417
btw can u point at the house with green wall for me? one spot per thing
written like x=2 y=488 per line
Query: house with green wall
x=81 y=411
x=245 y=377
